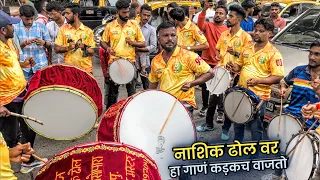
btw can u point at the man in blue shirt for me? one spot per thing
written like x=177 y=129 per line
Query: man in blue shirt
x=247 y=24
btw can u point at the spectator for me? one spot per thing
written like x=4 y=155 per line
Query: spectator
x=247 y=24
x=256 y=13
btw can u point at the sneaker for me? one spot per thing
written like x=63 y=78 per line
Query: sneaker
x=225 y=136
x=204 y=127
x=203 y=111
x=26 y=168
x=272 y=177
x=220 y=117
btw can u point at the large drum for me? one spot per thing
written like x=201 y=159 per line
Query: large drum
x=240 y=104
x=289 y=126
x=138 y=120
x=100 y=160
x=305 y=158
x=122 y=71
x=66 y=99
x=220 y=82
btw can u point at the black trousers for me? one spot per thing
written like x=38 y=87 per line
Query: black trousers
x=145 y=80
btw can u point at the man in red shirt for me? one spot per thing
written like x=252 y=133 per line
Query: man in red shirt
x=278 y=21
x=212 y=31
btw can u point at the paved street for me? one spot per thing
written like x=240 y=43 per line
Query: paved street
x=47 y=148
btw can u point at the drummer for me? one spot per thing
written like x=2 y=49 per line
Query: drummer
x=12 y=88
x=302 y=93
x=174 y=69
x=75 y=40
x=117 y=42
x=260 y=65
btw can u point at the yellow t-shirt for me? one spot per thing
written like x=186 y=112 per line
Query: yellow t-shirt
x=75 y=57
x=238 y=41
x=190 y=34
x=115 y=35
x=6 y=172
x=180 y=68
x=262 y=64
x=12 y=81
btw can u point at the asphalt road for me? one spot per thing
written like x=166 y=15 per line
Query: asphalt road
x=48 y=148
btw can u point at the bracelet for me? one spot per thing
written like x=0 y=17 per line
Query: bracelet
x=318 y=106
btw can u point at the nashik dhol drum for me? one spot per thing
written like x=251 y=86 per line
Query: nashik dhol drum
x=240 y=104
x=100 y=160
x=304 y=160
x=65 y=99
x=220 y=82
x=122 y=71
x=289 y=126
x=138 y=120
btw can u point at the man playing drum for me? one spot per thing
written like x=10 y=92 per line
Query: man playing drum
x=75 y=40
x=260 y=65
x=302 y=92
x=120 y=38
x=12 y=88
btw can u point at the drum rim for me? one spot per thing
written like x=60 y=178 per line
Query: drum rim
x=313 y=148
x=135 y=69
x=249 y=100
x=285 y=114
x=228 y=75
x=69 y=65
x=62 y=88
x=61 y=153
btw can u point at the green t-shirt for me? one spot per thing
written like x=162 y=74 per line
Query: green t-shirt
x=31 y=4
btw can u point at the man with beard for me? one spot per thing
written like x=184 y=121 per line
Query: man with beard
x=142 y=54
x=302 y=91
x=229 y=47
x=120 y=38
x=212 y=31
x=54 y=10
x=75 y=40
x=247 y=23
x=174 y=69
x=260 y=65
x=278 y=21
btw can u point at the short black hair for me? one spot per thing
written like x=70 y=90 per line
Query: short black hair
x=145 y=7
x=315 y=43
x=222 y=3
x=165 y=25
x=222 y=7
x=39 y=5
x=256 y=11
x=178 y=14
x=134 y=5
x=172 y=5
x=239 y=10
x=122 y=4
x=267 y=23
x=75 y=8
x=54 y=5
x=247 y=4
x=275 y=4
x=27 y=11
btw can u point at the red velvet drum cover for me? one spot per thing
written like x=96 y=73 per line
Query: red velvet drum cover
x=100 y=161
x=67 y=75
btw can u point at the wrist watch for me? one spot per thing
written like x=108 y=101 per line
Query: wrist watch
x=189 y=48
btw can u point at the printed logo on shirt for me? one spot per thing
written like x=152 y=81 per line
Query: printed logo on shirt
x=6 y=54
x=198 y=60
x=187 y=34
x=245 y=55
x=177 y=67
x=262 y=59
x=130 y=33
x=84 y=36
x=237 y=43
x=279 y=62
x=114 y=32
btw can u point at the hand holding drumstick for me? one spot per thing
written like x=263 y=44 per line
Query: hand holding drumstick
x=310 y=111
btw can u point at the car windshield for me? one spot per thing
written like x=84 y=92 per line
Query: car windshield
x=265 y=10
x=302 y=32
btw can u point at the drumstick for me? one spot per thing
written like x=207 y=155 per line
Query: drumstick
x=238 y=106
x=26 y=117
x=215 y=74
x=123 y=72
x=171 y=110
x=303 y=137
x=219 y=81
x=280 y=116
x=39 y=158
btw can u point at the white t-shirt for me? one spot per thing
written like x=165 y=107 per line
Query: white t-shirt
x=209 y=13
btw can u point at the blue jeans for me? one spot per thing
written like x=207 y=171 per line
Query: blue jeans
x=28 y=75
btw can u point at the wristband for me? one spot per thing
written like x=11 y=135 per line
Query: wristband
x=318 y=106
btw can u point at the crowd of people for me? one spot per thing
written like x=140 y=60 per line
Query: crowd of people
x=191 y=46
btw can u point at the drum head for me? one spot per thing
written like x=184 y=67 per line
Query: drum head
x=220 y=82
x=142 y=120
x=122 y=71
x=302 y=159
x=66 y=113
x=238 y=107
x=288 y=127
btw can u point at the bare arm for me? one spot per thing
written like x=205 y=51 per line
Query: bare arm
x=200 y=47
x=270 y=80
x=60 y=49
x=203 y=78
x=104 y=45
x=153 y=85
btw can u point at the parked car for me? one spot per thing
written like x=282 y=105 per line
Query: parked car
x=294 y=42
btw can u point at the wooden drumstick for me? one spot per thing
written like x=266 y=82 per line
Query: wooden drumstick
x=168 y=117
x=39 y=158
x=219 y=81
x=121 y=68
x=26 y=117
x=238 y=106
x=280 y=116
x=303 y=137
